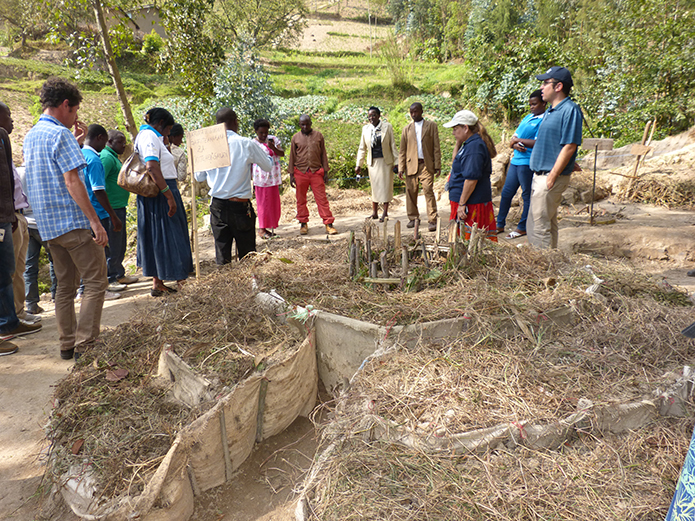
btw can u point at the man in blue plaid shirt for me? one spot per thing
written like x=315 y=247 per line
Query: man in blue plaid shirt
x=65 y=216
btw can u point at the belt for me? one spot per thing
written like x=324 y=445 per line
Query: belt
x=542 y=172
x=237 y=200
x=420 y=161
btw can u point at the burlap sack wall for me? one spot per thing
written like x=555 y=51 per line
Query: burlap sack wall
x=198 y=461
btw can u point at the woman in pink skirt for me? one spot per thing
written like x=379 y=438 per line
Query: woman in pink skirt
x=267 y=184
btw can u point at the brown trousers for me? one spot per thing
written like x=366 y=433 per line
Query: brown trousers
x=20 y=240
x=412 y=183
x=75 y=256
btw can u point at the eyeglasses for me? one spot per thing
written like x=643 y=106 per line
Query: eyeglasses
x=546 y=82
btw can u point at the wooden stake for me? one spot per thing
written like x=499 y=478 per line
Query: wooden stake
x=373 y=269
x=397 y=236
x=386 y=233
x=416 y=232
x=358 y=255
x=404 y=261
x=439 y=230
x=194 y=216
x=451 y=232
x=424 y=254
x=384 y=265
x=353 y=260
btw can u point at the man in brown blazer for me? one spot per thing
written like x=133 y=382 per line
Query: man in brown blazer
x=420 y=158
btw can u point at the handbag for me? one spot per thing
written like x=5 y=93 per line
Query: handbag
x=134 y=178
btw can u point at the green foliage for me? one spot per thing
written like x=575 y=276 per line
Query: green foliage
x=269 y=24
x=393 y=57
x=191 y=53
x=243 y=84
x=152 y=43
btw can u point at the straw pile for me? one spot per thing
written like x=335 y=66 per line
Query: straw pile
x=623 y=346
x=481 y=380
x=112 y=415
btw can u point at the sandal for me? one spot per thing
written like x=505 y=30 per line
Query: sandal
x=515 y=234
x=500 y=231
x=267 y=235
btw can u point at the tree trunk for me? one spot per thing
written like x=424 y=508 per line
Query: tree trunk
x=113 y=69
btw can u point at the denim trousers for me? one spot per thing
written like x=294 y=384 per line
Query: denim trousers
x=517 y=175
x=31 y=274
x=8 y=316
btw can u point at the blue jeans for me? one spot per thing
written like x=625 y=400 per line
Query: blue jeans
x=517 y=175
x=8 y=315
x=31 y=274
x=116 y=250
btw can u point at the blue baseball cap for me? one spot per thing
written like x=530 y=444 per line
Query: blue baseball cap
x=557 y=73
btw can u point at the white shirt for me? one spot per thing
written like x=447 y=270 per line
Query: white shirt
x=418 y=134
x=234 y=181
x=150 y=146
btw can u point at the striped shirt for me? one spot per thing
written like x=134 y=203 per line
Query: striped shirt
x=50 y=151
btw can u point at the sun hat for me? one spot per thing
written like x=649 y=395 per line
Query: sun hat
x=462 y=117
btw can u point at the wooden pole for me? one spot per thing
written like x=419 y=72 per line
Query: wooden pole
x=194 y=213
x=353 y=259
x=358 y=255
x=439 y=230
x=386 y=233
x=368 y=244
x=424 y=254
x=404 y=261
x=373 y=270
x=416 y=231
x=384 y=265
x=397 y=236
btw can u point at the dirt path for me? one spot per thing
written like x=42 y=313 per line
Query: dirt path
x=657 y=240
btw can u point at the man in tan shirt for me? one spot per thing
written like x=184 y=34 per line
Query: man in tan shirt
x=420 y=159
x=308 y=165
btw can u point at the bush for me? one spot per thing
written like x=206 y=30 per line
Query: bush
x=152 y=43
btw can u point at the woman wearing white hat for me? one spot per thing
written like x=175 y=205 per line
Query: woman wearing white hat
x=470 y=192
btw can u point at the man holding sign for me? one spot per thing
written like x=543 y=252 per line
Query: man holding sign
x=232 y=217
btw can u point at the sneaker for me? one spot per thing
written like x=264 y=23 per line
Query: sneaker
x=432 y=226
x=34 y=308
x=67 y=354
x=7 y=348
x=30 y=318
x=303 y=228
x=128 y=280
x=22 y=329
x=117 y=286
x=111 y=295
x=411 y=224
x=330 y=230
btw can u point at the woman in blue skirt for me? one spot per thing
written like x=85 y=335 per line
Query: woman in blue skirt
x=164 y=249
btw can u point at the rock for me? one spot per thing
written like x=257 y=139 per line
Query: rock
x=571 y=196
x=600 y=193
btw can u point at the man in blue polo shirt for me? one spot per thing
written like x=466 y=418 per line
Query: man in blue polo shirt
x=553 y=156
x=65 y=215
x=95 y=182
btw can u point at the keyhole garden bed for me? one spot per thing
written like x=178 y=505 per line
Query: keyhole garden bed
x=539 y=341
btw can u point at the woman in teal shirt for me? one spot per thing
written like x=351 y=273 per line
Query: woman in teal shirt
x=519 y=173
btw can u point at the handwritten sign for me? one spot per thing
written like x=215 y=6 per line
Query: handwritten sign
x=208 y=148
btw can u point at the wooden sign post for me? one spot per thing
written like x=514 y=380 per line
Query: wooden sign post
x=207 y=150
x=596 y=144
